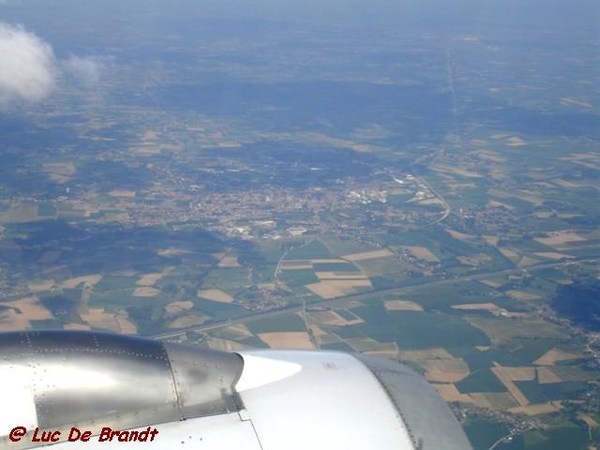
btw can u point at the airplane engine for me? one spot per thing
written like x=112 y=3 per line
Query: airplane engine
x=77 y=389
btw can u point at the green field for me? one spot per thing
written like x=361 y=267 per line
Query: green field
x=412 y=330
x=482 y=380
x=288 y=322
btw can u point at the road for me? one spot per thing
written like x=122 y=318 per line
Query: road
x=363 y=296
x=447 y=209
x=280 y=262
x=445 y=204
x=501 y=440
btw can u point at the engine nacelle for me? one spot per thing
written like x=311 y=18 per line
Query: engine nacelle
x=75 y=388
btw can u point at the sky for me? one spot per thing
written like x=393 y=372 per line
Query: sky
x=35 y=62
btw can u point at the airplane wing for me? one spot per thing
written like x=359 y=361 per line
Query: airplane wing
x=76 y=390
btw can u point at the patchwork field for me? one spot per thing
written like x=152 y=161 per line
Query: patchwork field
x=187 y=321
x=477 y=306
x=555 y=355
x=86 y=280
x=117 y=322
x=340 y=276
x=446 y=370
x=522 y=295
x=402 y=305
x=559 y=239
x=547 y=375
x=538 y=409
x=18 y=314
x=422 y=253
x=506 y=377
x=331 y=317
x=338 y=288
x=294 y=340
x=368 y=255
x=146 y=291
x=451 y=394
x=149 y=279
x=177 y=307
x=229 y=261
x=226 y=345
x=501 y=330
x=215 y=295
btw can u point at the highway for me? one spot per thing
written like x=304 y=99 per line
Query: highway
x=363 y=296
x=447 y=209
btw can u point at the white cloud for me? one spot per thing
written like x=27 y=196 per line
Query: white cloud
x=86 y=70
x=27 y=66
x=29 y=70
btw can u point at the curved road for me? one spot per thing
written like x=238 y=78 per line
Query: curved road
x=447 y=209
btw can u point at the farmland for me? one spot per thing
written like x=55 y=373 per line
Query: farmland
x=399 y=184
